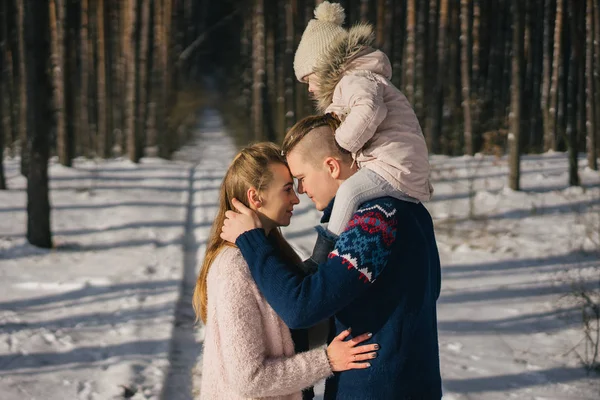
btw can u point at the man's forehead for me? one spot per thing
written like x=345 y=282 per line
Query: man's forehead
x=295 y=163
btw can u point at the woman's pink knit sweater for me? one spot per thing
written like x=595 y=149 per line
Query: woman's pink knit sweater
x=248 y=350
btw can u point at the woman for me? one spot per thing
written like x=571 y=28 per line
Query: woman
x=248 y=350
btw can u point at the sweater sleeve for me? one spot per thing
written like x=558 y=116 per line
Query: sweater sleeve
x=249 y=371
x=363 y=95
x=360 y=255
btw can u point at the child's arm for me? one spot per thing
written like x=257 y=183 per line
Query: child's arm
x=363 y=95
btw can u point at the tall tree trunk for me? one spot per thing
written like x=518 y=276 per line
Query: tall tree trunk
x=364 y=10
x=290 y=95
x=590 y=88
x=551 y=130
x=169 y=137
x=388 y=16
x=22 y=90
x=130 y=13
x=56 y=14
x=143 y=69
x=280 y=69
x=546 y=73
x=380 y=27
x=466 y=85
x=398 y=43
x=258 y=55
x=450 y=139
x=420 y=55
x=102 y=135
x=597 y=71
x=438 y=100
x=572 y=134
x=411 y=29
x=10 y=101
x=247 y=69
x=3 y=91
x=477 y=87
x=154 y=145
x=84 y=53
x=71 y=76
x=270 y=71
x=515 y=104
x=38 y=117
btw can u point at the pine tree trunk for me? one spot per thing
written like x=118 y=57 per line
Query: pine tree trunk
x=3 y=92
x=116 y=78
x=571 y=100
x=58 y=82
x=70 y=76
x=580 y=41
x=380 y=25
x=551 y=131
x=431 y=69
x=270 y=85
x=597 y=71
x=130 y=13
x=466 y=85
x=39 y=114
x=388 y=15
x=157 y=107
x=364 y=10
x=438 y=100
x=22 y=90
x=411 y=28
x=169 y=138
x=398 y=45
x=290 y=79
x=590 y=89
x=258 y=85
x=281 y=70
x=84 y=53
x=247 y=69
x=477 y=87
x=10 y=102
x=546 y=72
x=514 y=133
x=143 y=69
x=420 y=54
x=450 y=141
x=536 y=120
x=102 y=131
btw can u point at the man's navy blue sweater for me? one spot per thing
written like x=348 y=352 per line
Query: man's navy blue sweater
x=382 y=277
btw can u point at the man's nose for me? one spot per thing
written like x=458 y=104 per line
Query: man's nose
x=300 y=188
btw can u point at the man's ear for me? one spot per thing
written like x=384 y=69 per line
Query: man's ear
x=333 y=167
x=253 y=198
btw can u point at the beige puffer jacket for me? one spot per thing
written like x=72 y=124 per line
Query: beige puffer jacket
x=379 y=125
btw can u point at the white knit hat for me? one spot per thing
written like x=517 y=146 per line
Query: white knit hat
x=319 y=33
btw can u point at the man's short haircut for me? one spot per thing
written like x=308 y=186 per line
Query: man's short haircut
x=315 y=146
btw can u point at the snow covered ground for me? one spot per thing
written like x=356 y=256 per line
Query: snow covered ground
x=108 y=310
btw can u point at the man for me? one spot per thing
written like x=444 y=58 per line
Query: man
x=382 y=276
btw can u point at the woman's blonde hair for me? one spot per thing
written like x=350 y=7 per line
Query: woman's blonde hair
x=250 y=168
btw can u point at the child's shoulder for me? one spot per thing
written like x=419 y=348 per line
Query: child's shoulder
x=361 y=77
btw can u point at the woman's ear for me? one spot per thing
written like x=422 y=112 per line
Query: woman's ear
x=253 y=199
x=333 y=167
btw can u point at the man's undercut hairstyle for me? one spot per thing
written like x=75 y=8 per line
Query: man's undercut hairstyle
x=312 y=143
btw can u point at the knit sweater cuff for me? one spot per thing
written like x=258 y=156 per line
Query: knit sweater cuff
x=254 y=241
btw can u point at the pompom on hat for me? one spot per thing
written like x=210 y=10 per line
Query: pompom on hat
x=318 y=35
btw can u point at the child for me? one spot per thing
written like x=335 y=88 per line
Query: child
x=350 y=79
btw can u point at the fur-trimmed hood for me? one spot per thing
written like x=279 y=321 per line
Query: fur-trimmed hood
x=350 y=52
